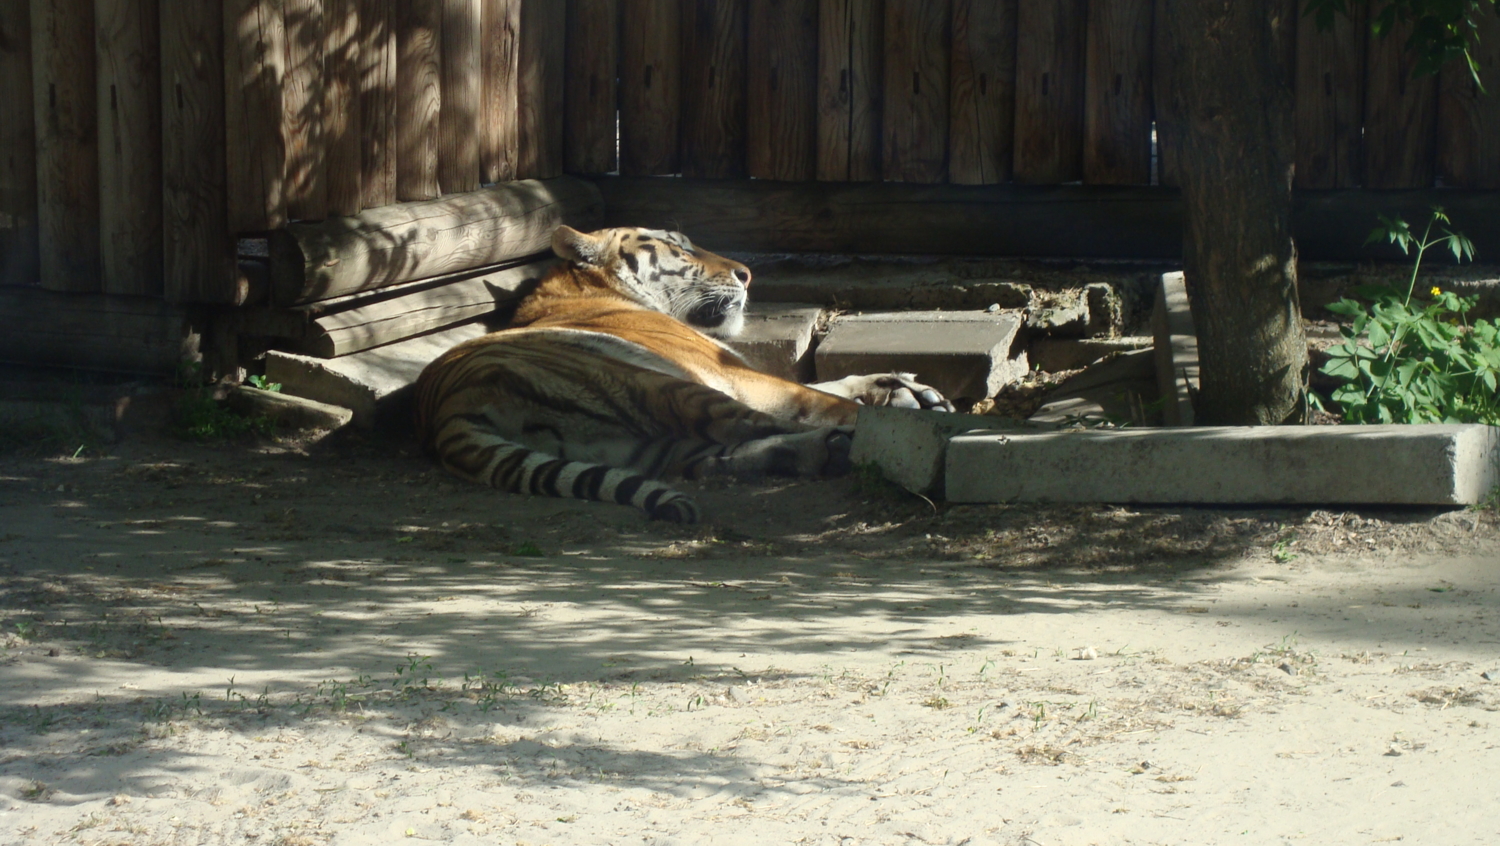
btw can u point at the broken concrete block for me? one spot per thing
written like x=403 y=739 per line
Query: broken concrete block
x=1106 y=310
x=910 y=446
x=1176 y=350
x=375 y=384
x=778 y=337
x=964 y=354
x=1304 y=465
x=1121 y=389
x=287 y=411
x=1054 y=354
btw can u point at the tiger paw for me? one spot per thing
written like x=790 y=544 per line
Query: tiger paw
x=897 y=390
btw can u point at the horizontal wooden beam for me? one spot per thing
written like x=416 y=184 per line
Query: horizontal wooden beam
x=409 y=241
x=95 y=331
x=1071 y=221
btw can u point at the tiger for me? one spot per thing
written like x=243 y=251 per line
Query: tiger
x=613 y=375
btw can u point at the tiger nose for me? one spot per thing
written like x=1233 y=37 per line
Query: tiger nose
x=743 y=274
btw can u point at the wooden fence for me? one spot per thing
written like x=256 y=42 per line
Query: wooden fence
x=140 y=138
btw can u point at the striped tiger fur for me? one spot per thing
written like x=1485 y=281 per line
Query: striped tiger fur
x=608 y=379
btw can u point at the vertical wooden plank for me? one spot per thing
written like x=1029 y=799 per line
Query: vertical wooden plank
x=781 y=89
x=1468 y=120
x=1161 y=84
x=593 y=51
x=1330 y=100
x=713 y=89
x=303 y=105
x=18 y=245
x=650 y=86
x=127 y=36
x=377 y=102
x=1049 y=91
x=851 y=35
x=341 y=105
x=418 y=97
x=1400 y=117
x=915 y=139
x=67 y=149
x=458 y=155
x=499 y=138
x=198 y=250
x=982 y=113
x=539 y=91
x=254 y=149
x=1117 y=93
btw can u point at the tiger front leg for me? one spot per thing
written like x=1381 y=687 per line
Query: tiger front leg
x=898 y=390
x=810 y=454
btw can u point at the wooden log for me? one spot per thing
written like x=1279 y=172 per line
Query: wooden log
x=1400 y=116
x=254 y=150
x=1049 y=91
x=1117 y=94
x=499 y=132
x=1468 y=120
x=1330 y=100
x=915 y=140
x=95 y=331
x=67 y=148
x=401 y=243
x=458 y=151
x=377 y=102
x=341 y=113
x=418 y=97
x=593 y=50
x=302 y=101
x=851 y=79
x=127 y=36
x=650 y=86
x=982 y=110
x=429 y=305
x=713 y=88
x=18 y=242
x=198 y=252
x=781 y=99
x=539 y=108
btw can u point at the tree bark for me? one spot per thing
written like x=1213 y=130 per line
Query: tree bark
x=1228 y=113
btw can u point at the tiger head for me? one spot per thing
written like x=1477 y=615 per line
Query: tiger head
x=664 y=272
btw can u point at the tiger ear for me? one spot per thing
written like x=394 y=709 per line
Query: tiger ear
x=579 y=247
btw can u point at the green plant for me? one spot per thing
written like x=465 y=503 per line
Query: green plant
x=1409 y=360
x=529 y=550
x=202 y=416
x=264 y=384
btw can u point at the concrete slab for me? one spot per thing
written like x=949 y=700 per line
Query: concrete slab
x=778 y=339
x=374 y=384
x=910 y=446
x=1176 y=350
x=1054 y=354
x=1119 y=390
x=1303 y=465
x=964 y=354
x=287 y=411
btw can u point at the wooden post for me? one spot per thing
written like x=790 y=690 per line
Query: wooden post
x=67 y=143
x=377 y=102
x=303 y=100
x=499 y=138
x=915 y=140
x=650 y=86
x=539 y=92
x=1049 y=91
x=850 y=81
x=983 y=92
x=18 y=244
x=1400 y=116
x=593 y=46
x=254 y=150
x=128 y=38
x=458 y=153
x=1162 y=71
x=1117 y=94
x=418 y=97
x=341 y=113
x=1330 y=100
x=198 y=251
x=781 y=103
x=1469 y=121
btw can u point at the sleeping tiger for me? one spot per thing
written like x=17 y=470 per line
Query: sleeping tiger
x=610 y=377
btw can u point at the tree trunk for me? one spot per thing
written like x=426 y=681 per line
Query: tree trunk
x=1229 y=118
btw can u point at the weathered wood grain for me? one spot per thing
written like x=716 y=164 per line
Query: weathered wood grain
x=1117 y=93
x=915 y=138
x=589 y=96
x=781 y=89
x=851 y=36
x=342 y=116
x=650 y=86
x=1469 y=120
x=1162 y=71
x=462 y=88
x=377 y=102
x=67 y=143
x=303 y=109
x=94 y=331
x=128 y=38
x=18 y=242
x=982 y=110
x=499 y=135
x=419 y=96
x=539 y=107
x=1330 y=101
x=254 y=149
x=1049 y=91
x=1400 y=117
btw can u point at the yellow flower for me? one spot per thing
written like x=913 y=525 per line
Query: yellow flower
x=1436 y=290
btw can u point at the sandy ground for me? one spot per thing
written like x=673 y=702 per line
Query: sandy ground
x=273 y=645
